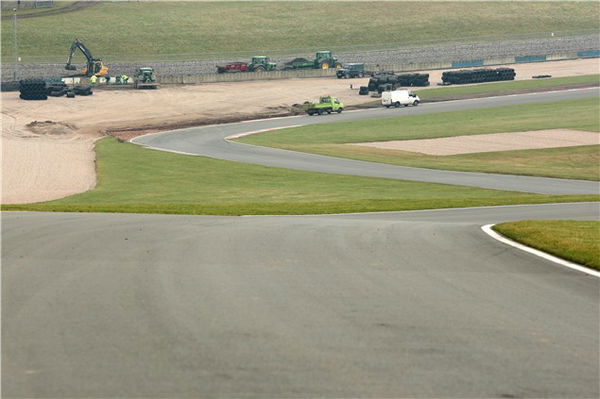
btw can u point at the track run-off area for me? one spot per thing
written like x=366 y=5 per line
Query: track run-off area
x=393 y=304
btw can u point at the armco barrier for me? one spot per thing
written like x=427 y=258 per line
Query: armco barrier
x=530 y=58
x=588 y=53
x=242 y=76
x=467 y=64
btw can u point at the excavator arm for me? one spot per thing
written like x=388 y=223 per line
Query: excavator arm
x=94 y=65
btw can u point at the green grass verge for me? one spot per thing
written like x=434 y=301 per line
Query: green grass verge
x=120 y=31
x=504 y=88
x=576 y=241
x=569 y=162
x=136 y=180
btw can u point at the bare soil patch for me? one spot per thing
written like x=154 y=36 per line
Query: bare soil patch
x=492 y=142
x=46 y=143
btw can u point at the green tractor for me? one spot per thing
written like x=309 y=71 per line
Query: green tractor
x=145 y=78
x=260 y=63
x=323 y=60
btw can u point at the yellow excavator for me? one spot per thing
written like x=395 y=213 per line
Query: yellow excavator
x=94 y=66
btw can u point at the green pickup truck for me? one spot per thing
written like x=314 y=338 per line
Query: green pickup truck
x=326 y=105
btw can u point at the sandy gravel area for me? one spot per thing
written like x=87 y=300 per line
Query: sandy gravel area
x=47 y=146
x=491 y=142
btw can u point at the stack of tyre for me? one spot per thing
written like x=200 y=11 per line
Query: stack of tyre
x=413 y=79
x=83 y=90
x=56 y=88
x=478 y=76
x=387 y=81
x=33 y=89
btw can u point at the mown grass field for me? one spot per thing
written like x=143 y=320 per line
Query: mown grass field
x=136 y=180
x=141 y=30
x=576 y=241
x=571 y=162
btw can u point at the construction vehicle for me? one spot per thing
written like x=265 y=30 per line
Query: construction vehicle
x=94 y=66
x=326 y=105
x=145 y=78
x=323 y=60
x=354 y=70
x=259 y=63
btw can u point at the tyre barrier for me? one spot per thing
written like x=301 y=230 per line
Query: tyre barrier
x=56 y=89
x=477 y=76
x=33 y=89
x=83 y=90
x=389 y=78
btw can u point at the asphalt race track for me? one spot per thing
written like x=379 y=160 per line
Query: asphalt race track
x=407 y=304
x=386 y=305
x=210 y=141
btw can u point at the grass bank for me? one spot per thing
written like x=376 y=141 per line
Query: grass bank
x=569 y=162
x=143 y=30
x=136 y=180
x=576 y=241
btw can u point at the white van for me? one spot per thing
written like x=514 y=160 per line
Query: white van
x=397 y=98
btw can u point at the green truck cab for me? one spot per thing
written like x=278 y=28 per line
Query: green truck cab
x=326 y=105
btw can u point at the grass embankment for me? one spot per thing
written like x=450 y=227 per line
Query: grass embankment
x=506 y=88
x=569 y=162
x=136 y=180
x=575 y=241
x=144 y=30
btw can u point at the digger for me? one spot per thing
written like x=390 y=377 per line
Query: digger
x=94 y=66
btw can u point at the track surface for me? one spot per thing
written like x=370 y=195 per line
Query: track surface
x=409 y=304
x=404 y=304
x=210 y=141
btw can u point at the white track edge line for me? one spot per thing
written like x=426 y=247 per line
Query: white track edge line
x=488 y=230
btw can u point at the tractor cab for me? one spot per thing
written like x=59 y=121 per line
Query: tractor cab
x=261 y=63
x=260 y=59
x=325 y=60
x=323 y=55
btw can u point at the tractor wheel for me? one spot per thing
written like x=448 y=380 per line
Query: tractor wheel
x=325 y=65
x=338 y=65
x=259 y=68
